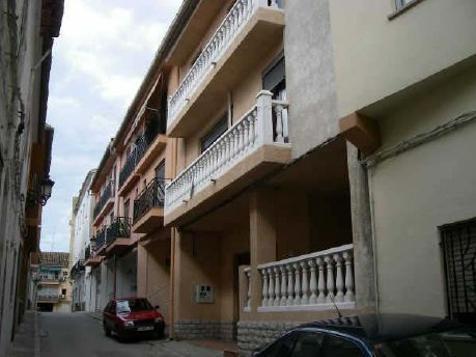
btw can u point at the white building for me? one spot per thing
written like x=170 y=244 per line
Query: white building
x=80 y=237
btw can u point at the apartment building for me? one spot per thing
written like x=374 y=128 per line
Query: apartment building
x=412 y=80
x=311 y=162
x=130 y=253
x=319 y=162
x=81 y=234
x=53 y=287
x=26 y=35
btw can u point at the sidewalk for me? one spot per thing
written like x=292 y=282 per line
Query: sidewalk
x=26 y=342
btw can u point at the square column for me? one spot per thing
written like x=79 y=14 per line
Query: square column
x=262 y=238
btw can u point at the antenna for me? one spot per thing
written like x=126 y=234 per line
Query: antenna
x=335 y=305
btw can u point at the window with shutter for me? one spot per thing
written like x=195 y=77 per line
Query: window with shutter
x=459 y=250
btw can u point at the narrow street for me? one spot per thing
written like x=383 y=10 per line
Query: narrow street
x=78 y=334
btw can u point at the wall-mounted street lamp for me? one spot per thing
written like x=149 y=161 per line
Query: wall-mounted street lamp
x=43 y=192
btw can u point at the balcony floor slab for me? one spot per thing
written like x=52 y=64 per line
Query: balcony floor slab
x=252 y=168
x=152 y=220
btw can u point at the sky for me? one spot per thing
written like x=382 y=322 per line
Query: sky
x=99 y=60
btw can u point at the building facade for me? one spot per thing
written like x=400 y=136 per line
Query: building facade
x=304 y=168
x=53 y=286
x=81 y=234
x=27 y=31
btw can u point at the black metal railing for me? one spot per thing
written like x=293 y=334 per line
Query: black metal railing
x=87 y=252
x=106 y=196
x=119 y=228
x=78 y=267
x=152 y=196
x=142 y=144
x=100 y=239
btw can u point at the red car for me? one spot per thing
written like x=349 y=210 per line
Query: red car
x=130 y=317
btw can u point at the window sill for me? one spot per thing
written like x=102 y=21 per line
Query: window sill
x=403 y=9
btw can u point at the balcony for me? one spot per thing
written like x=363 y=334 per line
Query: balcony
x=142 y=156
x=77 y=268
x=249 y=32
x=104 y=203
x=92 y=259
x=53 y=299
x=254 y=146
x=148 y=207
x=310 y=282
x=117 y=236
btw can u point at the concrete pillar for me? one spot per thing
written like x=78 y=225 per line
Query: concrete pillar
x=262 y=238
x=361 y=231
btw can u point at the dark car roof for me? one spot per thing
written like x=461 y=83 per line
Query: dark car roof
x=384 y=327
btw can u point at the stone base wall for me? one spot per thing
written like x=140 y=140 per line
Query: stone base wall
x=256 y=334
x=198 y=329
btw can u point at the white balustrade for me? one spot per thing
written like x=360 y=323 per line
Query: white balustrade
x=249 y=133
x=232 y=24
x=313 y=281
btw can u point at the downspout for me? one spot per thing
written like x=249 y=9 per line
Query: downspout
x=114 y=277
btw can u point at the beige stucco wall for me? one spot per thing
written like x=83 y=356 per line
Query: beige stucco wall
x=153 y=280
x=208 y=258
x=375 y=56
x=419 y=190
x=243 y=98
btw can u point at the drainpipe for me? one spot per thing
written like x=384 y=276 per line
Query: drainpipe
x=172 y=285
x=114 y=277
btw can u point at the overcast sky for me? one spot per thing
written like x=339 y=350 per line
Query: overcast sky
x=104 y=50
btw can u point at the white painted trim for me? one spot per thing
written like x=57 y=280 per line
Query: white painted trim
x=317 y=307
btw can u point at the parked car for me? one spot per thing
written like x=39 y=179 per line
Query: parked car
x=129 y=317
x=379 y=335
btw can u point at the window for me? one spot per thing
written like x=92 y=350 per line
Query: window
x=282 y=347
x=126 y=208
x=63 y=291
x=160 y=171
x=274 y=79
x=459 y=251
x=339 y=347
x=217 y=131
x=308 y=345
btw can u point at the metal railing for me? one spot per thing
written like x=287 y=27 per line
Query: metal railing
x=87 y=252
x=140 y=148
x=48 y=298
x=119 y=228
x=100 y=239
x=105 y=197
x=152 y=196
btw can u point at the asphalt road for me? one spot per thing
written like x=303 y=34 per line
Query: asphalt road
x=78 y=334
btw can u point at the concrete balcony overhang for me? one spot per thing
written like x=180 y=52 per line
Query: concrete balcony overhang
x=150 y=155
x=151 y=221
x=109 y=204
x=259 y=35
x=257 y=165
x=94 y=261
x=129 y=183
x=119 y=246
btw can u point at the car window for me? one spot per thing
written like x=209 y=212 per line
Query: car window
x=125 y=306
x=447 y=344
x=336 y=346
x=281 y=348
x=308 y=345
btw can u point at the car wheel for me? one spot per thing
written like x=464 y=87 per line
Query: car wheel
x=158 y=333
x=107 y=331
